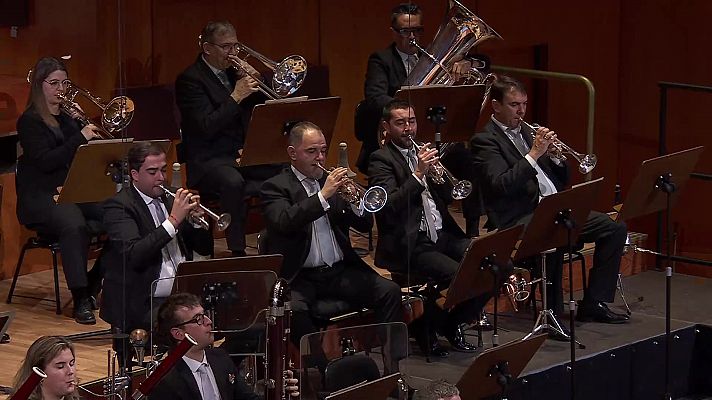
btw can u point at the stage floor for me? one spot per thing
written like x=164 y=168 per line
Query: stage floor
x=644 y=291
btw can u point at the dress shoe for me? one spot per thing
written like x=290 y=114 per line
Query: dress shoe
x=599 y=312
x=435 y=349
x=456 y=337
x=83 y=313
x=239 y=253
x=483 y=323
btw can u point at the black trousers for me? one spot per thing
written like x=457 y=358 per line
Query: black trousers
x=355 y=285
x=609 y=237
x=229 y=184
x=68 y=222
x=439 y=261
x=458 y=160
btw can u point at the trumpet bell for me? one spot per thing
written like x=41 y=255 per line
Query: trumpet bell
x=289 y=75
x=588 y=163
x=461 y=189
x=223 y=221
x=374 y=199
x=117 y=114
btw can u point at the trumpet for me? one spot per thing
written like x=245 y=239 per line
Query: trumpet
x=439 y=174
x=289 y=74
x=222 y=221
x=587 y=162
x=372 y=199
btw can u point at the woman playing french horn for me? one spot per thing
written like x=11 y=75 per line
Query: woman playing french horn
x=49 y=139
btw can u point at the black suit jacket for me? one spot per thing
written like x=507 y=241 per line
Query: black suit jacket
x=179 y=383
x=399 y=221
x=508 y=182
x=212 y=123
x=133 y=258
x=384 y=76
x=44 y=164
x=289 y=212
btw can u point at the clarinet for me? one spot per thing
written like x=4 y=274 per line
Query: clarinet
x=278 y=326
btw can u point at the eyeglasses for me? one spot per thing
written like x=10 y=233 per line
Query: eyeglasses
x=197 y=319
x=54 y=83
x=405 y=32
x=226 y=47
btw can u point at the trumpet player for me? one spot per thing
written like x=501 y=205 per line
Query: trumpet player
x=415 y=230
x=516 y=171
x=215 y=103
x=204 y=373
x=309 y=223
x=49 y=139
x=146 y=231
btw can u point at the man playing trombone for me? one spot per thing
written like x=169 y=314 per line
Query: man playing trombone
x=415 y=230
x=215 y=102
x=308 y=223
x=515 y=171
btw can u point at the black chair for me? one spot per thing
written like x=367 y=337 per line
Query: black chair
x=51 y=243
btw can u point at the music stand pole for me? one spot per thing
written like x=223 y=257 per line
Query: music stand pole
x=564 y=218
x=436 y=115
x=667 y=186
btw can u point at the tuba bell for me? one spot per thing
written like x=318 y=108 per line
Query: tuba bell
x=460 y=31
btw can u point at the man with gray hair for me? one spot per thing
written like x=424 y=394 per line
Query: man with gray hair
x=215 y=103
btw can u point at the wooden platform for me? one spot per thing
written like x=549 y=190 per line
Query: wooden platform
x=34 y=318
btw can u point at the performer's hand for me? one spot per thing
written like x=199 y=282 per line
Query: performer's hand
x=333 y=182
x=292 y=384
x=460 y=69
x=183 y=204
x=76 y=112
x=426 y=158
x=91 y=132
x=543 y=139
x=243 y=88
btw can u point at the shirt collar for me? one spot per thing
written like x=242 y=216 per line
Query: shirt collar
x=405 y=56
x=194 y=365
x=215 y=70
x=505 y=128
x=147 y=199
x=298 y=174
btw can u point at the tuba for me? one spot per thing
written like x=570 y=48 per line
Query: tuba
x=278 y=326
x=460 y=31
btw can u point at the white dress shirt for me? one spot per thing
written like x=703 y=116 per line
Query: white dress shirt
x=194 y=366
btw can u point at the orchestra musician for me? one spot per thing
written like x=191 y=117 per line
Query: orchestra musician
x=215 y=103
x=204 y=372
x=387 y=71
x=308 y=222
x=145 y=229
x=49 y=139
x=516 y=171
x=54 y=355
x=415 y=229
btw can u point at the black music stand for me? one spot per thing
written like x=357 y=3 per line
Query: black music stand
x=486 y=265
x=265 y=142
x=458 y=104
x=493 y=370
x=97 y=162
x=557 y=222
x=654 y=189
x=377 y=389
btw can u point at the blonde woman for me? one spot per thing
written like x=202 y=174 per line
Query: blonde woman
x=55 y=356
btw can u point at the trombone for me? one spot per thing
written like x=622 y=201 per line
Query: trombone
x=289 y=74
x=587 y=162
x=373 y=199
x=439 y=174
x=222 y=221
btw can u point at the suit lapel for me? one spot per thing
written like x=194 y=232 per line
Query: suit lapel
x=505 y=141
x=209 y=75
x=186 y=375
x=400 y=160
x=142 y=209
x=398 y=66
x=220 y=373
